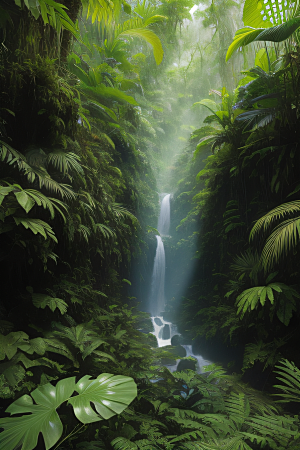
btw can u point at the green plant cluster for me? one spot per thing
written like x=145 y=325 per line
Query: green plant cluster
x=239 y=207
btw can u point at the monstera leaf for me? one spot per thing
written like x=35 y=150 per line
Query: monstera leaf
x=110 y=395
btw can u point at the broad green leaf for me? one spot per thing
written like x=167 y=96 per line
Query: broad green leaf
x=43 y=300
x=149 y=37
x=270 y=294
x=261 y=60
x=285 y=310
x=243 y=36
x=10 y=343
x=24 y=200
x=209 y=104
x=204 y=142
x=252 y=16
x=43 y=417
x=109 y=394
x=263 y=296
x=280 y=32
x=95 y=344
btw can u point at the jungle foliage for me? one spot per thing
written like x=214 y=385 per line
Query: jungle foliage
x=95 y=96
x=243 y=213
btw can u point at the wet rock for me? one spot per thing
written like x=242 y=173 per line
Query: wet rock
x=168 y=316
x=166 y=332
x=168 y=362
x=180 y=351
x=186 y=364
x=176 y=340
x=158 y=321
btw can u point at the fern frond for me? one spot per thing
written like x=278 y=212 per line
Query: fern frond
x=270 y=219
x=37 y=227
x=121 y=443
x=290 y=377
x=43 y=300
x=64 y=161
x=246 y=262
x=284 y=238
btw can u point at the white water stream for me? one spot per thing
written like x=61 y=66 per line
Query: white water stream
x=163 y=330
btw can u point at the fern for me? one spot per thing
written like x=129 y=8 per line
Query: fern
x=43 y=300
x=289 y=375
x=249 y=299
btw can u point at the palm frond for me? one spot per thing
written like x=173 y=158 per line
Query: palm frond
x=283 y=240
x=246 y=262
x=37 y=227
x=64 y=161
x=278 y=213
x=120 y=212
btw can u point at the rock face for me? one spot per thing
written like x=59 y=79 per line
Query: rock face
x=180 y=351
x=168 y=317
x=168 y=362
x=158 y=321
x=185 y=364
x=166 y=332
x=176 y=340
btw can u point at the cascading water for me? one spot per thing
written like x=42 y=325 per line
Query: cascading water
x=164 y=216
x=163 y=330
x=157 y=297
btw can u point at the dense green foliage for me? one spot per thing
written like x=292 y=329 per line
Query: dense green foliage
x=100 y=107
x=243 y=213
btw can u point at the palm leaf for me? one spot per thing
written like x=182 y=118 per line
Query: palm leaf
x=243 y=36
x=149 y=37
x=269 y=219
x=246 y=262
x=284 y=238
x=280 y=32
x=64 y=161
x=37 y=226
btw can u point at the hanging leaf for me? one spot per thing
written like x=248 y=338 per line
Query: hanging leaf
x=243 y=36
x=37 y=226
x=149 y=37
x=280 y=32
x=285 y=310
x=43 y=300
x=24 y=200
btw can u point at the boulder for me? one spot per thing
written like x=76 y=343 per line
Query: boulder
x=176 y=340
x=168 y=316
x=158 y=321
x=168 y=362
x=186 y=364
x=166 y=332
x=180 y=351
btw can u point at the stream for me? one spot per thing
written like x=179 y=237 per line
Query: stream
x=164 y=331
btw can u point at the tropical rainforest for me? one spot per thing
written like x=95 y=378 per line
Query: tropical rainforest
x=105 y=104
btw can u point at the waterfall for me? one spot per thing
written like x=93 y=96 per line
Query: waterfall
x=164 y=216
x=157 y=297
x=163 y=330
